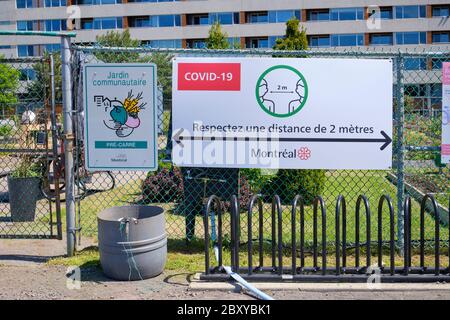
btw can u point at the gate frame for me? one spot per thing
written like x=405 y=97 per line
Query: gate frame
x=68 y=129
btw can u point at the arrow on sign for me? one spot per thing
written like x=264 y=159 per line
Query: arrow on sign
x=386 y=140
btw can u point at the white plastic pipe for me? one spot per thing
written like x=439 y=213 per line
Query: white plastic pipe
x=258 y=293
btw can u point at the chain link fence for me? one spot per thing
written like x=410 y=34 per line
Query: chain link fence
x=182 y=191
x=26 y=149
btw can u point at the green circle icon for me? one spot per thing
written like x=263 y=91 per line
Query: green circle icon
x=281 y=91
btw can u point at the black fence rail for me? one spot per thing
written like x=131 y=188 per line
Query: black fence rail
x=400 y=268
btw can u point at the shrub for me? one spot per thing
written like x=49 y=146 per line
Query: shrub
x=288 y=183
x=244 y=196
x=257 y=178
x=416 y=138
x=163 y=186
x=6 y=130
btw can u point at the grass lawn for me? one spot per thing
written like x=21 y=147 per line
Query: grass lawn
x=190 y=258
x=182 y=257
x=348 y=183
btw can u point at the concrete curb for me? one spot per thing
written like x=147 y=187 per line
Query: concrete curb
x=319 y=287
x=197 y=284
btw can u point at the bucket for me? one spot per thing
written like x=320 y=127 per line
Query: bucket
x=132 y=242
x=24 y=194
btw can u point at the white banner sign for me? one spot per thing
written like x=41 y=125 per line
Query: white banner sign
x=282 y=113
x=445 y=146
x=120 y=117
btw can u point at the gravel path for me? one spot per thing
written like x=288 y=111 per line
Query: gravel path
x=24 y=274
x=40 y=281
x=50 y=282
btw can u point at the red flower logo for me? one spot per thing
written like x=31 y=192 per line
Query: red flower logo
x=304 y=153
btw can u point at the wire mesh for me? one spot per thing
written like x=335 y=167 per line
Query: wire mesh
x=182 y=191
x=26 y=149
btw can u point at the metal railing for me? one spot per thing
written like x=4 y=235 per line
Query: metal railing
x=399 y=269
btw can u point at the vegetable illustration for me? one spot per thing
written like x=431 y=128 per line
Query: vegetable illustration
x=125 y=115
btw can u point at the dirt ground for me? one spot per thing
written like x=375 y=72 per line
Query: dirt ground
x=24 y=274
x=50 y=282
x=38 y=281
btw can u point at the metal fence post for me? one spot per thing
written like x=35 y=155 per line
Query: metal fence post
x=68 y=143
x=55 y=148
x=400 y=122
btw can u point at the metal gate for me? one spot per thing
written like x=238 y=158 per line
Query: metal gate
x=30 y=153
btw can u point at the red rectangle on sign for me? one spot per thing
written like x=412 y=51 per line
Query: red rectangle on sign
x=209 y=76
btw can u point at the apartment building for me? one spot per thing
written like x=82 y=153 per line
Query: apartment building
x=248 y=23
x=383 y=24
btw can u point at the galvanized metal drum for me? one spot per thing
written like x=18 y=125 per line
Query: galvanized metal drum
x=132 y=242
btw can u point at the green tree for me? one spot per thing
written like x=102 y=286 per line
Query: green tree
x=163 y=63
x=119 y=40
x=123 y=39
x=288 y=183
x=217 y=39
x=9 y=83
x=295 y=38
x=40 y=88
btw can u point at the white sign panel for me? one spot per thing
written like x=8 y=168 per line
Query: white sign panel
x=120 y=117
x=445 y=146
x=282 y=113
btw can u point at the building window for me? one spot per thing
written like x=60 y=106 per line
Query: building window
x=415 y=64
x=153 y=0
x=155 y=21
x=411 y=37
x=54 y=47
x=197 y=19
x=55 y=3
x=258 y=17
x=385 y=13
x=96 y=2
x=255 y=43
x=25 y=25
x=436 y=63
x=108 y=23
x=169 y=20
x=164 y=43
x=234 y=42
x=109 y=1
x=342 y=14
x=381 y=39
x=55 y=25
x=410 y=12
x=141 y=22
x=87 y=24
x=347 y=40
x=281 y=16
x=224 y=18
x=25 y=51
x=440 y=11
x=319 y=15
x=440 y=37
x=27 y=75
x=102 y=23
x=22 y=4
x=319 y=41
x=273 y=40
x=5 y=23
x=5 y=47
x=196 y=43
